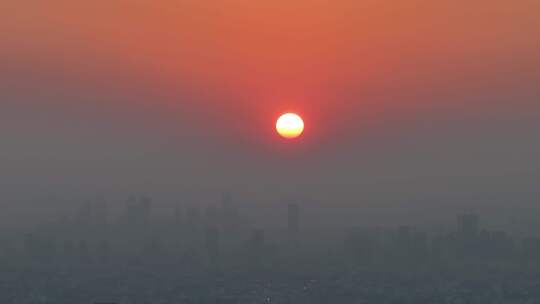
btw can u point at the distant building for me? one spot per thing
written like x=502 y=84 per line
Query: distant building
x=152 y=247
x=404 y=235
x=293 y=218
x=104 y=249
x=31 y=246
x=469 y=235
x=178 y=214
x=469 y=225
x=211 y=215
x=212 y=243
x=229 y=213
x=92 y=214
x=256 y=246
x=82 y=250
x=146 y=210
x=257 y=238
x=361 y=245
x=138 y=212
x=193 y=216
x=530 y=248
x=68 y=249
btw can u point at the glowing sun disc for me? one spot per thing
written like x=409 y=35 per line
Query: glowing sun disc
x=290 y=125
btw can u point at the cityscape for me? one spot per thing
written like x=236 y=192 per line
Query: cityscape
x=269 y=152
x=213 y=254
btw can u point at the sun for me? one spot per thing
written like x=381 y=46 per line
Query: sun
x=290 y=125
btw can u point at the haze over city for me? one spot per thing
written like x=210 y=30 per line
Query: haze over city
x=275 y=133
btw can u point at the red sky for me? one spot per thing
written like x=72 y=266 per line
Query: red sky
x=185 y=79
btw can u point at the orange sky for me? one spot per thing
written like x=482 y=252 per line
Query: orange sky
x=102 y=79
x=274 y=56
x=267 y=46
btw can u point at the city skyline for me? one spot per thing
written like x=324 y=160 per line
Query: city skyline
x=269 y=151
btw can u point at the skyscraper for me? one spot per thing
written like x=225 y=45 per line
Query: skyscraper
x=212 y=243
x=229 y=213
x=293 y=218
x=469 y=226
x=193 y=216
x=468 y=235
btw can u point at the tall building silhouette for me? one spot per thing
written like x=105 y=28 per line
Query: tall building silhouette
x=256 y=247
x=92 y=214
x=469 y=235
x=212 y=243
x=193 y=216
x=146 y=210
x=138 y=212
x=103 y=250
x=131 y=210
x=229 y=212
x=469 y=227
x=178 y=215
x=293 y=218
x=211 y=215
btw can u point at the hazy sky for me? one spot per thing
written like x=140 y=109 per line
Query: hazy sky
x=397 y=96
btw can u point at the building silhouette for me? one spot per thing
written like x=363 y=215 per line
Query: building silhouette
x=469 y=225
x=293 y=218
x=193 y=217
x=229 y=213
x=212 y=244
